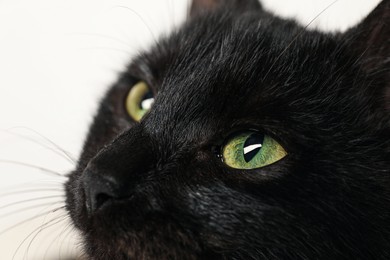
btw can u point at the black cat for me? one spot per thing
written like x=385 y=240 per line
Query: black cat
x=242 y=136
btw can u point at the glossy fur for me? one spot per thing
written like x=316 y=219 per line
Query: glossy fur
x=323 y=97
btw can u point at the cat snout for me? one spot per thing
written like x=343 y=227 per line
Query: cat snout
x=101 y=190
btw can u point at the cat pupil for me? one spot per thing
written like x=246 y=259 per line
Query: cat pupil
x=252 y=146
x=147 y=101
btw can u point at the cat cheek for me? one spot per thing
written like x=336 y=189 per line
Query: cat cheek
x=219 y=210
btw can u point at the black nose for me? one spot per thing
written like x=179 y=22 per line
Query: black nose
x=101 y=189
x=118 y=170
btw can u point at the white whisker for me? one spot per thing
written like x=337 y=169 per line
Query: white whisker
x=27 y=138
x=36 y=190
x=141 y=19
x=64 y=233
x=44 y=170
x=30 y=200
x=66 y=153
x=32 y=218
x=44 y=183
x=37 y=231
x=28 y=208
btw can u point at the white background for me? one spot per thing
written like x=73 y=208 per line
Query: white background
x=56 y=59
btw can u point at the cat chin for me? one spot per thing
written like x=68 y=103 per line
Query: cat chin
x=151 y=239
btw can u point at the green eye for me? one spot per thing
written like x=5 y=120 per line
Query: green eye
x=139 y=100
x=251 y=150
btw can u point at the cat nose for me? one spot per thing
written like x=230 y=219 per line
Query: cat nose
x=101 y=190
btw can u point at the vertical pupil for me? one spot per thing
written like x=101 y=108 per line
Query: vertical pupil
x=252 y=146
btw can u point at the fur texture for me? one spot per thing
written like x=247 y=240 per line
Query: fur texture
x=233 y=66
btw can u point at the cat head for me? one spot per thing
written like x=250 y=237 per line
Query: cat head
x=164 y=173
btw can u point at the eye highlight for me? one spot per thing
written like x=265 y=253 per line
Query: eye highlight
x=251 y=150
x=139 y=100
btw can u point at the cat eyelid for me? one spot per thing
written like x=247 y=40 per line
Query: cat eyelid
x=134 y=80
x=139 y=73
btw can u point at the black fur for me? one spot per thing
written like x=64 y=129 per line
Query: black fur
x=227 y=69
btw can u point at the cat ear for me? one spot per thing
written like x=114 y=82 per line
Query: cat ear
x=371 y=38
x=371 y=42
x=200 y=6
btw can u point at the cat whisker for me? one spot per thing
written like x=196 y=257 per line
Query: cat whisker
x=65 y=234
x=28 y=208
x=68 y=236
x=50 y=245
x=66 y=153
x=30 y=200
x=141 y=19
x=300 y=33
x=60 y=152
x=36 y=190
x=38 y=183
x=43 y=227
x=37 y=231
x=44 y=170
x=32 y=218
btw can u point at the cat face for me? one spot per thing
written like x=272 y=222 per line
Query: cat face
x=159 y=185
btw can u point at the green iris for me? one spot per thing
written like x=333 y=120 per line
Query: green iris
x=251 y=150
x=139 y=100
